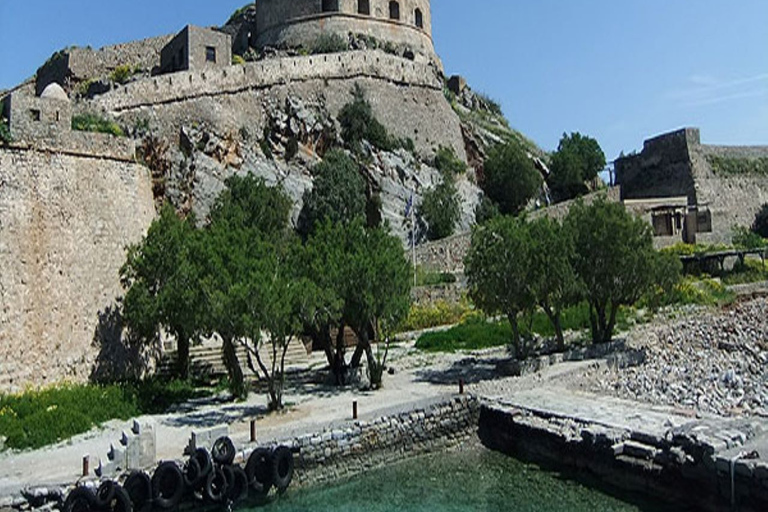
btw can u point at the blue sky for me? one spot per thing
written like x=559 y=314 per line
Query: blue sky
x=618 y=70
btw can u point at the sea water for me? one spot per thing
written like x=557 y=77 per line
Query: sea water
x=462 y=481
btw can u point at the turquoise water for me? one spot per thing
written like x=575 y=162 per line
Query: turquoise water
x=475 y=480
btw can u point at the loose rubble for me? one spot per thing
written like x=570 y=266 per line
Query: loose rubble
x=716 y=363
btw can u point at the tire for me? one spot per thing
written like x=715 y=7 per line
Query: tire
x=167 y=485
x=259 y=471
x=282 y=468
x=216 y=486
x=105 y=493
x=223 y=451
x=238 y=487
x=138 y=486
x=192 y=474
x=81 y=499
x=120 y=501
x=203 y=458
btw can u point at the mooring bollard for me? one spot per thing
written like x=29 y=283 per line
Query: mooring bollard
x=253 y=431
x=86 y=461
x=461 y=386
x=354 y=410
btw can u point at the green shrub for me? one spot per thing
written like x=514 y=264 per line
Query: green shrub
x=744 y=238
x=441 y=209
x=5 y=132
x=121 y=74
x=358 y=123
x=447 y=163
x=95 y=123
x=760 y=225
x=238 y=12
x=436 y=315
x=494 y=107
x=427 y=278
x=237 y=60
x=329 y=43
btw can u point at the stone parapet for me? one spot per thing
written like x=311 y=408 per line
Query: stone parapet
x=256 y=75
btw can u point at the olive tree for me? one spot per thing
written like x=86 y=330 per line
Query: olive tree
x=498 y=269
x=614 y=259
x=440 y=209
x=552 y=277
x=161 y=277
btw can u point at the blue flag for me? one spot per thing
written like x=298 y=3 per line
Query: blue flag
x=409 y=205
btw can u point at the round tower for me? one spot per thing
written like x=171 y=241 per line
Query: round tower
x=301 y=22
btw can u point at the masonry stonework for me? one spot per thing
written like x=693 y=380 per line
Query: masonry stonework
x=65 y=221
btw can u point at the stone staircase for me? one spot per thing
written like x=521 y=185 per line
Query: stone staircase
x=206 y=360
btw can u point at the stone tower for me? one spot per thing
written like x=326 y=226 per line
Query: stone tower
x=301 y=22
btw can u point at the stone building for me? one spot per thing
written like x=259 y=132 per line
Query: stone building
x=301 y=22
x=195 y=49
x=693 y=192
x=43 y=117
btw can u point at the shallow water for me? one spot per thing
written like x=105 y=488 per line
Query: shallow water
x=475 y=480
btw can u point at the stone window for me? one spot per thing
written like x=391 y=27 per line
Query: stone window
x=394 y=10
x=704 y=221
x=364 y=7
x=330 y=5
x=210 y=54
x=35 y=113
x=419 y=19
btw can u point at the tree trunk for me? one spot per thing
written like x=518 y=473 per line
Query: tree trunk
x=516 y=339
x=555 y=318
x=611 y=324
x=182 y=356
x=339 y=366
x=234 y=371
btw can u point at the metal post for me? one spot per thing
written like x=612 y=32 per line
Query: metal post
x=354 y=410
x=253 y=431
x=86 y=463
x=461 y=386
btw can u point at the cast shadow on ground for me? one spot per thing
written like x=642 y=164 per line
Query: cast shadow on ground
x=471 y=369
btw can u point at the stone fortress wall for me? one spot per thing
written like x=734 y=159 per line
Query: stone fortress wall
x=300 y=22
x=66 y=217
x=676 y=165
x=73 y=65
x=256 y=75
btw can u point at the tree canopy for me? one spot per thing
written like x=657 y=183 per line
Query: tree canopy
x=440 y=209
x=578 y=160
x=338 y=193
x=511 y=179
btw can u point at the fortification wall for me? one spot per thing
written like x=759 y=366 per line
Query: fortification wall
x=662 y=169
x=256 y=75
x=445 y=255
x=65 y=221
x=77 y=64
x=741 y=152
x=300 y=22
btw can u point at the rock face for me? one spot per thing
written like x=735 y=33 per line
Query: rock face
x=64 y=224
x=714 y=364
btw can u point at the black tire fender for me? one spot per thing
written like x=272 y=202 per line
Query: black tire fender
x=216 y=486
x=282 y=467
x=259 y=471
x=105 y=493
x=80 y=499
x=120 y=502
x=238 y=487
x=192 y=474
x=223 y=451
x=138 y=486
x=167 y=485
x=203 y=458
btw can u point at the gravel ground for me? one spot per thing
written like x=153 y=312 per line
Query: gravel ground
x=713 y=362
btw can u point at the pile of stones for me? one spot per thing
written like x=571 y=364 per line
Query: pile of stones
x=716 y=363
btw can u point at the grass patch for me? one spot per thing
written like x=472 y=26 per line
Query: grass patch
x=752 y=271
x=97 y=124
x=732 y=166
x=37 y=418
x=427 y=278
x=476 y=333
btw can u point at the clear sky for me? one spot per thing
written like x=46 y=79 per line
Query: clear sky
x=618 y=70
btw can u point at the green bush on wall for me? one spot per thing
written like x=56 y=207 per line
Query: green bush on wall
x=97 y=124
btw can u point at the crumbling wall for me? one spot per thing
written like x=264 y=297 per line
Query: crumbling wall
x=65 y=222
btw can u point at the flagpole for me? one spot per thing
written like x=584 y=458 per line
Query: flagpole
x=413 y=238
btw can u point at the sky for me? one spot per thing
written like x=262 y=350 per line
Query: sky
x=620 y=71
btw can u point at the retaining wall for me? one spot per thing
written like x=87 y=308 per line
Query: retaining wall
x=684 y=466
x=255 y=75
x=354 y=448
